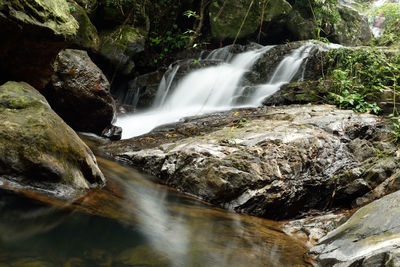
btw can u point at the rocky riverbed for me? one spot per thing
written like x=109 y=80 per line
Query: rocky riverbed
x=270 y=162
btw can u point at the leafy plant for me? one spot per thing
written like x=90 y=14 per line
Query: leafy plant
x=360 y=77
x=395 y=119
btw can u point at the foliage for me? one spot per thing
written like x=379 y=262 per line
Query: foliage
x=391 y=12
x=360 y=77
x=395 y=119
x=324 y=13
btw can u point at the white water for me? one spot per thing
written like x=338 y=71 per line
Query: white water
x=211 y=89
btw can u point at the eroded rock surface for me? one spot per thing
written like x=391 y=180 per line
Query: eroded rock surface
x=38 y=150
x=273 y=163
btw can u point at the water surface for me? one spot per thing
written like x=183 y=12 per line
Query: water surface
x=137 y=222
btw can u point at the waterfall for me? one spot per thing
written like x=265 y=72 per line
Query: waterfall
x=214 y=88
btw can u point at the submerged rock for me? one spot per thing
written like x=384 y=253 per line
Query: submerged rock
x=80 y=93
x=312 y=229
x=32 y=33
x=38 y=150
x=273 y=163
x=369 y=238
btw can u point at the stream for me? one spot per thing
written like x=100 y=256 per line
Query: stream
x=135 y=221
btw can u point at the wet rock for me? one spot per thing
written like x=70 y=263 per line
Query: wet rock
x=79 y=93
x=368 y=238
x=38 y=150
x=141 y=91
x=312 y=229
x=112 y=132
x=390 y=185
x=312 y=69
x=32 y=34
x=272 y=163
x=300 y=93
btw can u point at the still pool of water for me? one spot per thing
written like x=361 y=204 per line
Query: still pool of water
x=135 y=221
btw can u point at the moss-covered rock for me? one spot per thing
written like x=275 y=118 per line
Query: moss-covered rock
x=301 y=28
x=119 y=46
x=87 y=36
x=350 y=29
x=32 y=34
x=53 y=15
x=241 y=18
x=38 y=150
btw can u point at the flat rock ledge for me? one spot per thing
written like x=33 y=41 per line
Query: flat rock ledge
x=276 y=162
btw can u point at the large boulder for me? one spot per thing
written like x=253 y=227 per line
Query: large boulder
x=241 y=18
x=369 y=238
x=274 y=163
x=79 y=92
x=351 y=28
x=38 y=150
x=278 y=21
x=32 y=34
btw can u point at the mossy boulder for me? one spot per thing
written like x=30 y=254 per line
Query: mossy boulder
x=80 y=93
x=118 y=48
x=299 y=27
x=32 y=34
x=87 y=37
x=38 y=150
x=241 y=18
x=350 y=29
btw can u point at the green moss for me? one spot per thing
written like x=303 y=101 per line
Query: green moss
x=87 y=35
x=120 y=38
x=35 y=141
x=52 y=14
x=227 y=17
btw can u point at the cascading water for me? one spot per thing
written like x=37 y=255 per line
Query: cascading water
x=211 y=89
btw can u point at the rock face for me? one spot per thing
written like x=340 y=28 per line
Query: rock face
x=32 y=34
x=38 y=150
x=118 y=47
x=351 y=29
x=79 y=93
x=226 y=17
x=275 y=163
x=369 y=238
x=280 y=20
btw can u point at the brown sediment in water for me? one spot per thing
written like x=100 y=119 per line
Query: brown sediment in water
x=246 y=240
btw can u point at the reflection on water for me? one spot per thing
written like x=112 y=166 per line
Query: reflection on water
x=136 y=222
